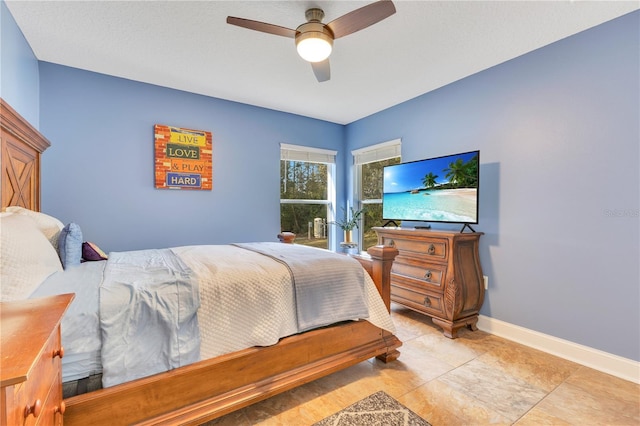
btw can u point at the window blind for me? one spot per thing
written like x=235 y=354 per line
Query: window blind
x=304 y=153
x=378 y=152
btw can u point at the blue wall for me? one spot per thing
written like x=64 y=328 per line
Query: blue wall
x=558 y=133
x=19 y=79
x=100 y=170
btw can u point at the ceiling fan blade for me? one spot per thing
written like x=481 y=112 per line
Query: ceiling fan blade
x=322 y=70
x=361 y=18
x=261 y=26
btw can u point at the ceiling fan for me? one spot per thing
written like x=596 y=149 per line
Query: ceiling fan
x=314 y=40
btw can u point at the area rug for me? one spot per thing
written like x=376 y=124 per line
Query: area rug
x=377 y=409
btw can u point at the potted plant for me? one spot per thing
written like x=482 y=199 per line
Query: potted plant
x=348 y=222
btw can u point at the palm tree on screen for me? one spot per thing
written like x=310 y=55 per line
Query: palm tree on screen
x=429 y=181
x=456 y=172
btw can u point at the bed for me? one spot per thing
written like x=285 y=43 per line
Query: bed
x=208 y=386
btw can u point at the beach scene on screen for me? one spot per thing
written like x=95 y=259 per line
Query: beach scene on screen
x=441 y=189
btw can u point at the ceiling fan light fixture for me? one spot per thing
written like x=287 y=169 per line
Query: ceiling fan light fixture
x=314 y=45
x=314 y=40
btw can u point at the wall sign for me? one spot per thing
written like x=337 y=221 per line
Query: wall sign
x=183 y=158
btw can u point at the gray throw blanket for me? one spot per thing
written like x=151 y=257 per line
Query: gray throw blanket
x=148 y=315
x=329 y=287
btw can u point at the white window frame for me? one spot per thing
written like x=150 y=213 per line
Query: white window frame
x=290 y=152
x=370 y=154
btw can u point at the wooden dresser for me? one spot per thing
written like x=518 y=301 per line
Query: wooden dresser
x=437 y=273
x=31 y=370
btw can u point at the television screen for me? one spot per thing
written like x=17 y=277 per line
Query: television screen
x=442 y=189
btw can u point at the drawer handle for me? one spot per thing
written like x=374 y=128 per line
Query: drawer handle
x=431 y=249
x=427 y=302
x=428 y=275
x=59 y=352
x=34 y=409
x=60 y=409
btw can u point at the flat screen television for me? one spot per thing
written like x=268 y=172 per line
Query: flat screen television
x=439 y=189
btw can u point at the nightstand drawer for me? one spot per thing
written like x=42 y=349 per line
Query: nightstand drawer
x=36 y=393
x=429 y=275
x=53 y=408
x=31 y=374
x=423 y=301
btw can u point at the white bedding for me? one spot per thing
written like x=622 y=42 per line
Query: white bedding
x=235 y=315
x=328 y=287
x=149 y=302
x=80 y=325
x=231 y=316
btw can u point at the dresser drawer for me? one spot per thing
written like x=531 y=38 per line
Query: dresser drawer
x=433 y=248
x=39 y=385
x=423 y=301
x=429 y=275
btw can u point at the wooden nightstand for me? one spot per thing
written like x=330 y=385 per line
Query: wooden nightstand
x=30 y=368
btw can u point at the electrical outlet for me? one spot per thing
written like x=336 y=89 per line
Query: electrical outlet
x=486 y=282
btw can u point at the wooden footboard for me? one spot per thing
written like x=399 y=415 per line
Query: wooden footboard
x=211 y=388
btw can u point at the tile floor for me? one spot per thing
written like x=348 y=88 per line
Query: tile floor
x=477 y=379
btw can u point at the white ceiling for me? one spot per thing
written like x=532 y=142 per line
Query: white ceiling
x=188 y=45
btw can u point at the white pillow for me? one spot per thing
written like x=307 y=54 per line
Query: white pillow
x=48 y=225
x=27 y=258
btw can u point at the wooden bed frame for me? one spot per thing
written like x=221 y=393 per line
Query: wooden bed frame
x=21 y=146
x=211 y=388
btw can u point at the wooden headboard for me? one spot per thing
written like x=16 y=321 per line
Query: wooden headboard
x=21 y=147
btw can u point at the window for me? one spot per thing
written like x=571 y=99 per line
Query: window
x=307 y=192
x=369 y=165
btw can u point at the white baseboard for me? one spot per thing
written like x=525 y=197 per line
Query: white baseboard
x=615 y=365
